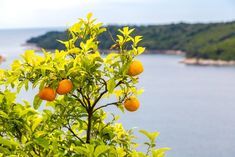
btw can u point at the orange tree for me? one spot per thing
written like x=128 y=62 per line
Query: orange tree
x=76 y=84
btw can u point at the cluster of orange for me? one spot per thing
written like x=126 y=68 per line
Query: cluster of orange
x=65 y=86
x=49 y=94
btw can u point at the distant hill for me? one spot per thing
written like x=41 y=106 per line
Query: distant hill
x=207 y=41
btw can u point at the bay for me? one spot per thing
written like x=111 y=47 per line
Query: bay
x=192 y=106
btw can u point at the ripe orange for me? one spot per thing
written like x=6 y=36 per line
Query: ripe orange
x=47 y=93
x=131 y=104
x=135 y=68
x=64 y=87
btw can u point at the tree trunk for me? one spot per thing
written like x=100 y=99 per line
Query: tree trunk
x=89 y=119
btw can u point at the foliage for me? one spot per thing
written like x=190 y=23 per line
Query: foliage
x=75 y=124
x=208 y=41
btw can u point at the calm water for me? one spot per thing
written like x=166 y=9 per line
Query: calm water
x=192 y=106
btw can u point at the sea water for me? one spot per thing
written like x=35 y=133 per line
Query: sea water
x=193 y=107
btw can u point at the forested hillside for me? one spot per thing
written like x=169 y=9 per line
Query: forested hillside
x=207 y=41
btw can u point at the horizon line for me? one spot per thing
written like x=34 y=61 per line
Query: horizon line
x=122 y=24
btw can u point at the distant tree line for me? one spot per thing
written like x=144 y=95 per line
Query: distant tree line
x=207 y=41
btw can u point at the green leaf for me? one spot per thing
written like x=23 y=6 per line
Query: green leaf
x=100 y=149
x=160 y=152
x=120 y=151
x=137 y=39
x=37 y=102
x=151 y=136
x=4 y=151
x=110 y=57
x=46 y=67
x=90 y=149
x=140 y=50
x=20 y=86
x=81 y=150
x=89 y=15
x=42 y=142
x=28 y=55
x=1 y=97
x=36 y=123
x=15 y=65
x=121 y=107
x=26 y=84
x=126 y=31
x=8 y=143
x=10 y=97
x=35 y=83
x=140 y=91
x=3 y=114
x=27 y=111
x=23 y=139
x=111 y=85
x=120 y=38
x=11 y=79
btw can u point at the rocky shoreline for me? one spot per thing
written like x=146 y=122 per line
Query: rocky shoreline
x=209 y=62
x=167 y=52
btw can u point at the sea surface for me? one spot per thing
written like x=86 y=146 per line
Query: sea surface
x=193 y=107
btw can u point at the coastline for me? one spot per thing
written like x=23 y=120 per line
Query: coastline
x=207 y=62
x=167 y=52
x=186 y=61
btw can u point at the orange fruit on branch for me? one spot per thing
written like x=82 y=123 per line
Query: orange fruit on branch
x=47 y=93
x=64 y=87
x=131 y=104
x=135 y=68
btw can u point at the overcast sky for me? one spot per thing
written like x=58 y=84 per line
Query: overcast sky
x=44 y=13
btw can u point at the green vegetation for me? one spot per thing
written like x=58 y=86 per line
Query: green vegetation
x=207 y=41
x=77 y=84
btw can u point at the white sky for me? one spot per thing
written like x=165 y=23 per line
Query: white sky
x=44 y=13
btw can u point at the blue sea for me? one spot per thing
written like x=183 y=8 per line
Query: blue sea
x=193 y=107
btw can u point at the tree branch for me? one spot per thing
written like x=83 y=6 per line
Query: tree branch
x=113 y=103
x=120 y=82
x=79 y=101
x=109 y=104
x=100 y=96
x=105 y=91
x=84 y=97
x=75 y=134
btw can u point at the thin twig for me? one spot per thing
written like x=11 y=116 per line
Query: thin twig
x=110 y=35
x=120 y=82
x=80 y=101
x=100 y=96
x=84 y=97
x=105 y=91
x=75 y=135
x=109 y=104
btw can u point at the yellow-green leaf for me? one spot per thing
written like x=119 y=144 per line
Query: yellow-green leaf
x=37 y=102
x=89 y=15
x=140 y=50
x=36 y=123
x=151 y=136
x=3 y=114
x=111 y=85
x=100 y=150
